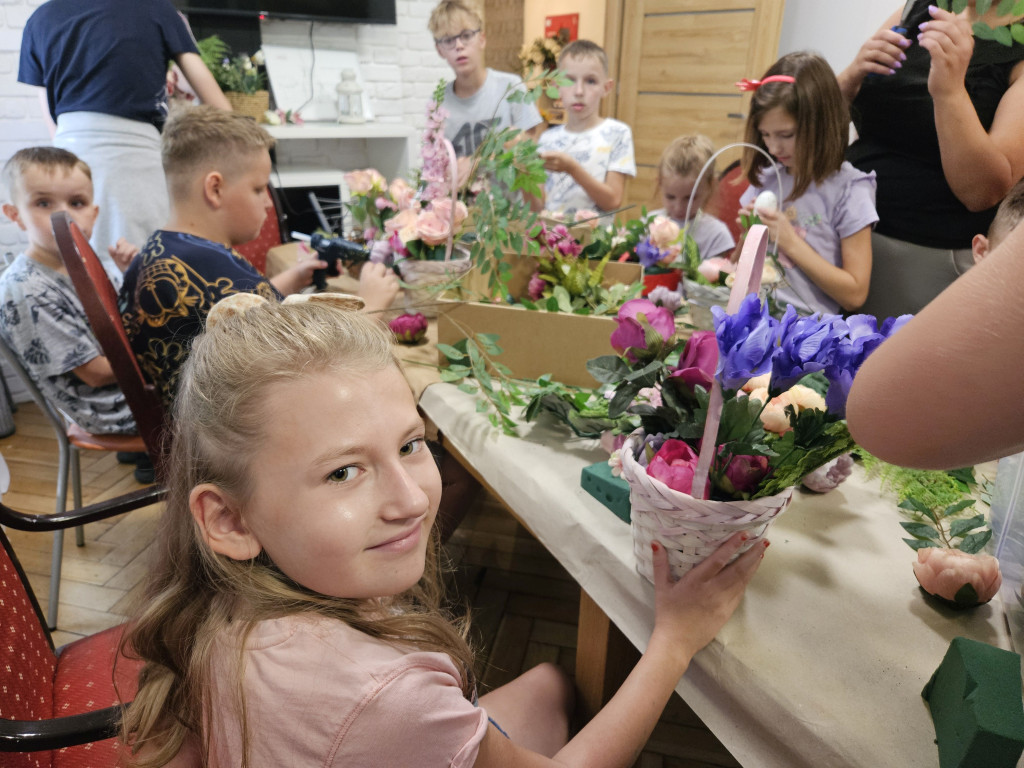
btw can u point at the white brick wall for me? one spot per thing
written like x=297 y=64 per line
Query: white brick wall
x=398 y=65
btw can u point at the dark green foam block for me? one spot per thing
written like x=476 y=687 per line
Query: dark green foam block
x=613 y=492
x=975 y=700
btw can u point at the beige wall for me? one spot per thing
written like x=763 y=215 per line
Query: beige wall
x=591 y=17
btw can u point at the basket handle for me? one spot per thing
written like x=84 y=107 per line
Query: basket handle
x=454 y=172
x=747 y=281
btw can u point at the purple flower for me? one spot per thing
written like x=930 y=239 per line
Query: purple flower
x=649 y=254
x=409 y=329
x=746 y=342
x=806 y=345
x=698 y=361
x=641 y=325
x=861 y=339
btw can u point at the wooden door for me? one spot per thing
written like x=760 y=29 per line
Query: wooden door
x=676 y=63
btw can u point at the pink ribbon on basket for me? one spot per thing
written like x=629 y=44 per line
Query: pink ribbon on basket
x=747 y=281
x=453 y=167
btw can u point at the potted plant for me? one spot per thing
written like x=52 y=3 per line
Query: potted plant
x=241 y=76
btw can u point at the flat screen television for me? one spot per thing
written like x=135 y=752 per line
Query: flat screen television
x=349 y=11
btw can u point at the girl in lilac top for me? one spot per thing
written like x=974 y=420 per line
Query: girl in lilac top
x=294 y=617
x=822 y=225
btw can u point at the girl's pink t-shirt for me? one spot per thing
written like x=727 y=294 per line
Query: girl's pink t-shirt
x=319 y=693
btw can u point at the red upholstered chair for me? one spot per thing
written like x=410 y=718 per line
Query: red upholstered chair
x=71 y=438
x=725 y=202
x=59 y=710
x=271 y=233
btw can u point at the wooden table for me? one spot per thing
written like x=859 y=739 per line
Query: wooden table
x=824 y=661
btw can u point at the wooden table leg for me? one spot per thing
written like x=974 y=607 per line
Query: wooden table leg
x=604 y=657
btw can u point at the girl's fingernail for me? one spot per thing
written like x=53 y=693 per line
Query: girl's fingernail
x=766 y=543
x=744 y=536
x=654 y=546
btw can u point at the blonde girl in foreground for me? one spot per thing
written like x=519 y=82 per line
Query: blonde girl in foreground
x=294 y=615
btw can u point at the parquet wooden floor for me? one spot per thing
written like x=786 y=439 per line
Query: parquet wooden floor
x=523 y=603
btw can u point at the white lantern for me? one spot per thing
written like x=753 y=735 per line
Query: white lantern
x=350 y=99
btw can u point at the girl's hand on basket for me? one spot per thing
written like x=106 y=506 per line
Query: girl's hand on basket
x=690 y=612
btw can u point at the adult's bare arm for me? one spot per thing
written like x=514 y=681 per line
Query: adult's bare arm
x=945 y=391
x=980 y=166
x=201 y=80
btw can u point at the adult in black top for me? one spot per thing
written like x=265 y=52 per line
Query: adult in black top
x=938 y=118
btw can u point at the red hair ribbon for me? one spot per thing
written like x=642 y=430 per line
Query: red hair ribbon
x=753 y=85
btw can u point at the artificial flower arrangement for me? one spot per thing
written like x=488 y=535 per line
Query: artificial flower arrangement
x=234 y=73
x=400 y=221
x=946 y=530
x=566 y=281
x=772 y=431
x=542 y=53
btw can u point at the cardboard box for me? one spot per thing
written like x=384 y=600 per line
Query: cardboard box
x=534 y=342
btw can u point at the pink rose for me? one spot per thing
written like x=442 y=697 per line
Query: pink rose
x=586 y=218
x=443 y=209
x=402 y=193
x=365 y=181
x=744 y=474
x=957 y=577
x=401 y=220
x=432 y=229
x=663 y=232
x=774 y=417
x=630 y=333
x=409 y=329
x=673 y=465
x=711 y=269
x=383 y=204
x=699 y=361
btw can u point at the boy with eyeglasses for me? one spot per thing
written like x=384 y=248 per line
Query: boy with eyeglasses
x=477 y=97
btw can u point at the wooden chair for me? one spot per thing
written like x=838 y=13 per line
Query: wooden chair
x=70 y=439
x=99 y=299
x=51 y=702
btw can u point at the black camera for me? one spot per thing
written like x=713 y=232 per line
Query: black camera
x=334 y=250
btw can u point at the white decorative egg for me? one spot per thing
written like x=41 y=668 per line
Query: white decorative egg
x=766 y=202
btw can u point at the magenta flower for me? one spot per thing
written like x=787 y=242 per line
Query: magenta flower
x=673 y=465
x=536 y=286
x=635 y=318
x=409 y=329
x=698 y=362
x=744 y=474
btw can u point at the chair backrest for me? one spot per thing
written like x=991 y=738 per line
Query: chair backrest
x=725 y=203
x=52 y=414
x=271 y=233
x=99 y=299
x=27 y=659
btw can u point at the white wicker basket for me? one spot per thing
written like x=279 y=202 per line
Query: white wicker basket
x=690 y=529
x=427 y=279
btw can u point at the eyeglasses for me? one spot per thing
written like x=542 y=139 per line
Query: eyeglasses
x=449 y=43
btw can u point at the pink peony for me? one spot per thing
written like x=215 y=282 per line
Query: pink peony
x=536 y=286
x=959 y=578
x=828 y=476
x=711 y=269
x=744 y=474
x=409 y=329
x=432 y=229
x=699 y=360
x=630 y=333
x=586 y=218
x=663 y=232
x=673 y=465
x=365 y=181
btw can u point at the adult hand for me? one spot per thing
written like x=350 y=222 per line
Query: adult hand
x=691 y=611
x=378 y=286
x=122 y=252
x=948 y=38
x=881 y=54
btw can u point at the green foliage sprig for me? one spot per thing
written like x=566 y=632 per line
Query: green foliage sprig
x=1005 y=35
x=240 y=74
x=938 y=504
x=472 y=366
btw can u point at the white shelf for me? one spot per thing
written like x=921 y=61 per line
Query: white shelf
x=300 y=176
x=311 y=130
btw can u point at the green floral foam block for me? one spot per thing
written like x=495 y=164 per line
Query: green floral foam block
x=613 y=492
x=975 y=701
